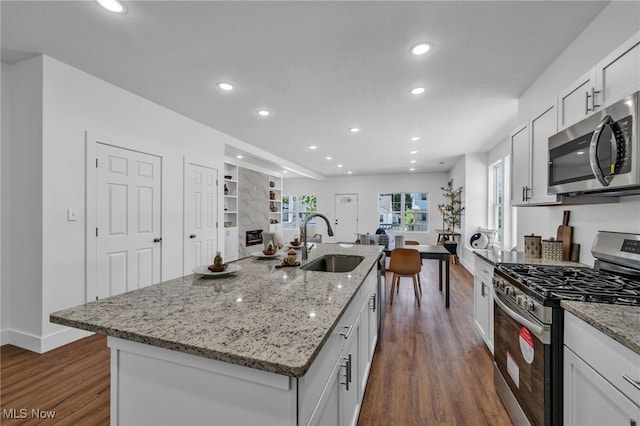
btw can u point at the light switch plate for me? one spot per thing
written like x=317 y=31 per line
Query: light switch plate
x=72 y=215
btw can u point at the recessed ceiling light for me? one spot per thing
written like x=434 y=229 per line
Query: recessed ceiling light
x=354 y=129
x=328 y=158
x=349 y=172
x=339 y=165
x=421 y=48
x=225 y=86
x=263 y=112
x=239 y=156
x=113 y=6
x=313 y=147
x=418 y=90
x=411 y=169
x=413 y=152
x=412 y=161
x=415 y=138
x=285 y=172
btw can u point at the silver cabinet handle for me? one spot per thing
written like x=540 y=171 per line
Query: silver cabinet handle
x=634 y=383
x=347 y=372
x=586 y=103
x=346 y=333
x=594 y=105
x=372 y=305
x=482 y=292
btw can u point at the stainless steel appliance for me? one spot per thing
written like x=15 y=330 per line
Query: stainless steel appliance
x=599 y=154
x=528 y=321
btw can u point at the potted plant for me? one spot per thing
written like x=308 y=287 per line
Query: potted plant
x=451 y=215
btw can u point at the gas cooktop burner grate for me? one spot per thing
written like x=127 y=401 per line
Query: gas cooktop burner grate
x=582 y=284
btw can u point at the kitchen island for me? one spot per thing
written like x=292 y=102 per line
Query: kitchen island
x=262 y=346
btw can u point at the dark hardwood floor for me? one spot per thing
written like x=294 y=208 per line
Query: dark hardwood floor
x=431 y=368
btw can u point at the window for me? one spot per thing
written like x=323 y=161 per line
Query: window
x=404 y=211
x=498 y=213
x=295 y=209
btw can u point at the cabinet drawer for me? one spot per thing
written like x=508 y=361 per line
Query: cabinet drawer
x=608 y=357
x=483 y=269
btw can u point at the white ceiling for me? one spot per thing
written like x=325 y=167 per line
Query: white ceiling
x=320 y=67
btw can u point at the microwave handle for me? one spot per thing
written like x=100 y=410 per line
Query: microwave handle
x=593 y=152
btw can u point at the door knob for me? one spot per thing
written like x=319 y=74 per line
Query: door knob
x=192 y=236
x=157 y=240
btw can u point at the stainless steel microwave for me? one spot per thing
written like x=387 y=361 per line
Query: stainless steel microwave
x=598 y=154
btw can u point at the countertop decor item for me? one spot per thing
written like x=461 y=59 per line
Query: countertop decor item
x=565 y=234
x=533 y=246
x=552 y=249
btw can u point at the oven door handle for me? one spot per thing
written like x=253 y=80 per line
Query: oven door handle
x=538 y=330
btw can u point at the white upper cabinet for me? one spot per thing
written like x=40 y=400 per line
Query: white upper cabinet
x=541 y=128
x=530 y=159
x=618 y=75
x=613 y=78
x=520 y=163
x=576 y=101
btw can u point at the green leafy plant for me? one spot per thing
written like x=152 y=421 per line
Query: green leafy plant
x=452 y=210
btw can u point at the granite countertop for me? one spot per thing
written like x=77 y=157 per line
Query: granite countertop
x=504 y=256
x=261 y=317
x=620 y=322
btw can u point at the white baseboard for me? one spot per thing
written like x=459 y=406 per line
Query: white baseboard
x=40 y=344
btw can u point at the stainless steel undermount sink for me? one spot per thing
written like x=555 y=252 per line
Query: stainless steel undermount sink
x=334 y=263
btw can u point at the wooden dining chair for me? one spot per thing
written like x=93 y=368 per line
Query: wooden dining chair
x=405 y=263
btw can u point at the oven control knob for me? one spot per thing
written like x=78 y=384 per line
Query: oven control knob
x=528 y=305
x=509 y=290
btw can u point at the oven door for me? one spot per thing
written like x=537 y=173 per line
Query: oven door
x=522 y=355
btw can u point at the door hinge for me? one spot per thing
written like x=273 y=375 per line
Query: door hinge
x=96 y=297
x=216 y=182
x=216 y=225
x=96 y=163
x=96 y=232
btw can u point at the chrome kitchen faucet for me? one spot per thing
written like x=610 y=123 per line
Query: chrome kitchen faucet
x=305 y=252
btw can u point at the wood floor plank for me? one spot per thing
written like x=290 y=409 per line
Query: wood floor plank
x=431 y=368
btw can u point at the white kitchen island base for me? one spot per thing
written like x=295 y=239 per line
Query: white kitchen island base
x=156 y=386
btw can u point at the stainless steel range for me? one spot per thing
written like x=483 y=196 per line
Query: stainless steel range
x=528 y=321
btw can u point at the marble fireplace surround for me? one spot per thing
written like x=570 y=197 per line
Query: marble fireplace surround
x=253 y=206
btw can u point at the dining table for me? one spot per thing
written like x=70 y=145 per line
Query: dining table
x=429 y=251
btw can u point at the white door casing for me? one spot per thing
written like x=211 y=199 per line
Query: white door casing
x=201 y=215
x=127 y=220
x=346 y=223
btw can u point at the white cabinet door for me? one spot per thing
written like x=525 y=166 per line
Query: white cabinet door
x=520 y=160
x=590 y=400
x=576 y=101
x=348 y=401
x=618 y=75
x=231 y=244
x=483 y=300
x=542 y=127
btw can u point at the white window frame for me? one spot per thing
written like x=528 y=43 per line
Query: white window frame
x=402 y=226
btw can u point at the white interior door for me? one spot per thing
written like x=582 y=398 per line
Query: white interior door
x=201 y=216
x=345 y=227
x=128 y=235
